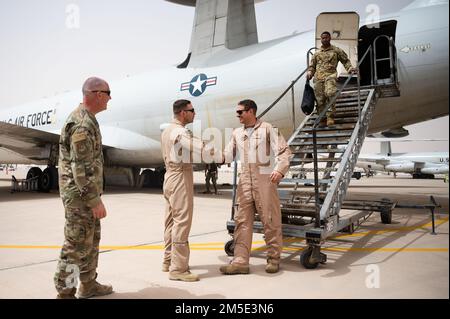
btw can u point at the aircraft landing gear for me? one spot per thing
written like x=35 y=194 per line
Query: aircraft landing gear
x=423 y=176
x=153 y=178
x=47 y=179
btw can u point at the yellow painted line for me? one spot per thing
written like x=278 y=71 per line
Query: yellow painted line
x=373 y=249
x=204 y=246
x=28 y=247
x=160 y=247
x=398 y=229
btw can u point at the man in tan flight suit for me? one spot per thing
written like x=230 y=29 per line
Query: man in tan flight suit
x=179 y=149
x=259 y=145
x=323 y=68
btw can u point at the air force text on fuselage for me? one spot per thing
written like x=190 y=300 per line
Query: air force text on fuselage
x=33 y=119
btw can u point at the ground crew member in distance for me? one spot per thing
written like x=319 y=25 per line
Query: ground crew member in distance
x=259 y=145
x=211 y=173
x=80 y=185
x=179 y=149
x=323 y=68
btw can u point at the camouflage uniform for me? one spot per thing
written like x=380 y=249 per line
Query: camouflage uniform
x=81 y=185
x=324 y=68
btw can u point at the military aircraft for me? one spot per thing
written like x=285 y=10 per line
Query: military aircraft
x=423 y=165
x=225 y=64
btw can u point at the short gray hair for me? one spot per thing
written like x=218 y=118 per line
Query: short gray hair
x=92 y=84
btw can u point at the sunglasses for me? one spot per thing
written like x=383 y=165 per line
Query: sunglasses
x=241 y=111
x=190 y=110
x=107 y=92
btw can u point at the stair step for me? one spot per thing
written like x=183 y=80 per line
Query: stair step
x=319 y=160
x=346 y=104
x=307 y=193
x=343 y=142
x=337 y=116
x=307 y=136
x=353 y=92
x=351 y=98
x=337 y=120
x=286 y=181
x=346 y=114
x=328 y=129
x=348 y=120
x=312 y=170
x=347 y=109
x=319 y=151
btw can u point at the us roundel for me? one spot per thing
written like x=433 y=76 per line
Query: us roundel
x=197 y=86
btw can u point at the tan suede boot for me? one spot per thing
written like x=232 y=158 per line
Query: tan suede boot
x=185 y=276
x=165 y=267
x=233 y=269
x=92 y=289
x=65 y=296
x=272 y=267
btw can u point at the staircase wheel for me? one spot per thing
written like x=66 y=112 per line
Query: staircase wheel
x=229 y=248
x=304 y=259
x=386 y=216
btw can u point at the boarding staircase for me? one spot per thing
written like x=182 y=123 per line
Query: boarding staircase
x=313 y=193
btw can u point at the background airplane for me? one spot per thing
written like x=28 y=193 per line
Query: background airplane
x=228 y=66
x=418 y=164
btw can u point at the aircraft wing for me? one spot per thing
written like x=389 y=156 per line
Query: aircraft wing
x=374 y=159
x=23 y=145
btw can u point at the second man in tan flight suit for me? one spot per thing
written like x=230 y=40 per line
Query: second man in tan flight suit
x=179 y=149
x=258 y=144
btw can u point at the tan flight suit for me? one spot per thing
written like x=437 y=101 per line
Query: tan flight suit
x=179 y=149
x=260 y=152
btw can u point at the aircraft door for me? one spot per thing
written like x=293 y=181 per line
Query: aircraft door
x=381 y=68
x=343 y=27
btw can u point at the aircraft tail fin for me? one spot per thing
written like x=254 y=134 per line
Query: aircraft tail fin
x=220 y=24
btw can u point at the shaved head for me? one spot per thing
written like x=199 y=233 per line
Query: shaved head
x=96 y=94
x=93 y=84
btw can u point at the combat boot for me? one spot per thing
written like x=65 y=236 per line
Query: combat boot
x=67 y=294
x=184 y=276
x=92 y=289
x=272 y=267
x=165 y=267
x=233 y=269
x=323 y=123
x=330 y=121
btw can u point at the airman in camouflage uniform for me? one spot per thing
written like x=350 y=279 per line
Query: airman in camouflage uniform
x=81 y=185
x=323 y=68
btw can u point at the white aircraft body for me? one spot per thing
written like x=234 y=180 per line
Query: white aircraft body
x=216 y=77
x=418 y=164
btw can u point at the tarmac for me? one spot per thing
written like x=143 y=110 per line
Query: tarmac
x=400 y=260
